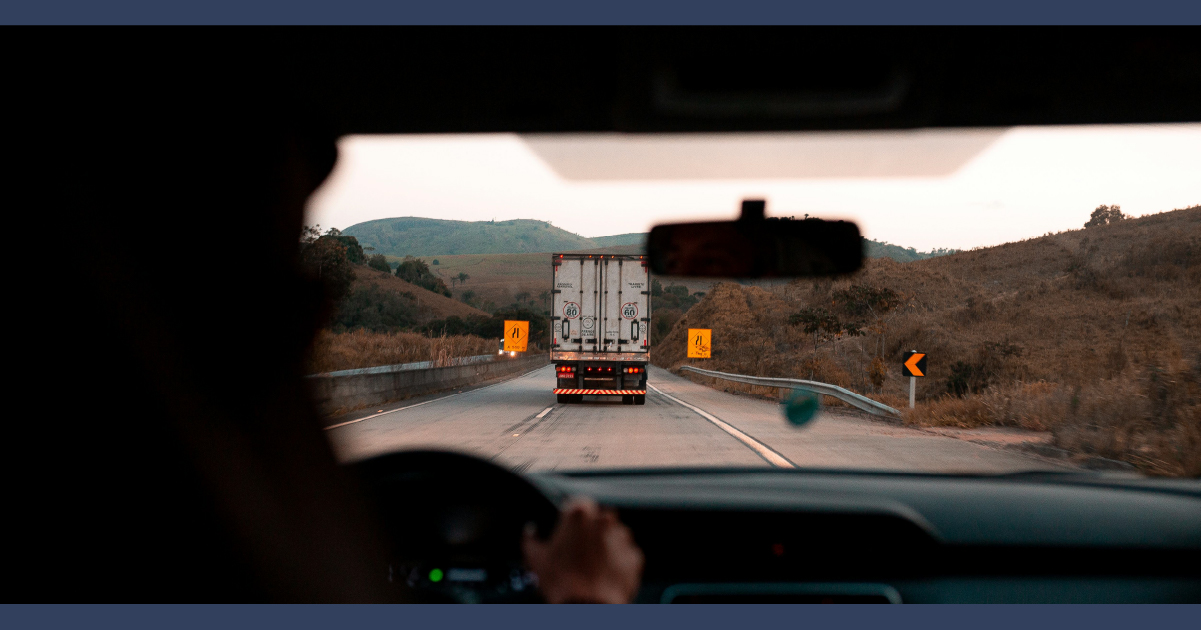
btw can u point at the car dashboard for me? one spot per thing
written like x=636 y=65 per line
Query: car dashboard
x=857 y=537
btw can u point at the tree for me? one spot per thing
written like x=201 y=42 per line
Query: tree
x=415 y=271
x=353 y=251
x=463 y=278
x=436 y=262
x=656 y=288
x=862 y=301
x=468 y=297
x=324 y=259
x=545 y=297
x=822 y=325
x=522 y=297
x=379 y=263
x=1104 y=215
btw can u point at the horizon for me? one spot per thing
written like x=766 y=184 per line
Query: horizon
x=324 y=228
x=921 y=189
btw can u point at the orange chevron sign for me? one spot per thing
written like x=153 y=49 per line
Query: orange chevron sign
x=915 y=364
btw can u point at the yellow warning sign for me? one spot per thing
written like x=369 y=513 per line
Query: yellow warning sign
x=698 y=343
x=516 y=335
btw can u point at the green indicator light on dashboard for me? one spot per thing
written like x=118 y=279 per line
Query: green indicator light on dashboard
x=436 y=575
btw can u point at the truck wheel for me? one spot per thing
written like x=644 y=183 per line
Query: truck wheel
x=627 y=399
x=563 y=399
x=577 y=398
x=639 y=399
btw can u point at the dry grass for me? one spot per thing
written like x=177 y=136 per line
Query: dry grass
x=360 y=349
x=1104 y=323
x=1036 y=406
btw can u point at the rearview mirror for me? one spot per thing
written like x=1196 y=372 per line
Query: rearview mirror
x=755 y=247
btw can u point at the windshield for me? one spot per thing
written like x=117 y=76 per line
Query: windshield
x=1030 y=300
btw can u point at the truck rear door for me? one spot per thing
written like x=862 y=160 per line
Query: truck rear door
x=624 y=304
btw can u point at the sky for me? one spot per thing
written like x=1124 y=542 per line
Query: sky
x=924 y=189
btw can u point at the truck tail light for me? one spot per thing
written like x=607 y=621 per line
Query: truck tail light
x=633 y=370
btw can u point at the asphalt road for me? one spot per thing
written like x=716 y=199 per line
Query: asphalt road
x=518 y=424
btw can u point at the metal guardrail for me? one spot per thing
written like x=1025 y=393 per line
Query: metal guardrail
x=845 y=395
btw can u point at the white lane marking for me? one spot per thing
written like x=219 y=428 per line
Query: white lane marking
x=762 y=449
x=544 y=412
x=437 y=399
x=388 y=412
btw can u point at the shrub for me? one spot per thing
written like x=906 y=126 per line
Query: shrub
x=372 y=308
x=379 y=263
x=878 y=373
x=415 y=271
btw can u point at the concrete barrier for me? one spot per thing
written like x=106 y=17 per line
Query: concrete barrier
x=347 y=390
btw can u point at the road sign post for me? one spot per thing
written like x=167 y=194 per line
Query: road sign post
x=913 y=366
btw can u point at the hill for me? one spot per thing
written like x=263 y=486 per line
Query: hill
x=633 y=239
x=1092 y=334
x=413 y=236
x=881 y=249
x=497 y=280
x=429 y=305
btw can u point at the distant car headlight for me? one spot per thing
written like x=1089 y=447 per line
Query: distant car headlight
x=513 y=353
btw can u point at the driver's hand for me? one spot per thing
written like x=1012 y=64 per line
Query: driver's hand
x=590 y=558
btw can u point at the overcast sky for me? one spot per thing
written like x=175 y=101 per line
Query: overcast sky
x=920 y=189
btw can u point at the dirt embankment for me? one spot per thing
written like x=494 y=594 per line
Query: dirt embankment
x=1093 y=335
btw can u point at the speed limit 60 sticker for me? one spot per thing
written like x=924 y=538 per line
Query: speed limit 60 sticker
x=571 y=310
x=629 y=310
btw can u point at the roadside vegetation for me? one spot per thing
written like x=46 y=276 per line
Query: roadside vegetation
x=379 y=316
x=362 y=348
x=1093 y=335
x=668 y=305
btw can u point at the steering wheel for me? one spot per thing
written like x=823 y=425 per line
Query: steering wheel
x=455 y=522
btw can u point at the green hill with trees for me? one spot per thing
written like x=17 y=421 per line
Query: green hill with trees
x=414 y=236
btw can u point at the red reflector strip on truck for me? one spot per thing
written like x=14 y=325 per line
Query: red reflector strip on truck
x=601 y=392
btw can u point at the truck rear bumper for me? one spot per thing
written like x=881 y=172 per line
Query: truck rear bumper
x=556 y=355
x=601 y=392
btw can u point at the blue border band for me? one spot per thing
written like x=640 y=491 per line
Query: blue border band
x=600 y=12
x=524 y=617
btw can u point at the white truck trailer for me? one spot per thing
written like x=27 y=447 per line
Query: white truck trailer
x=600 y=325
